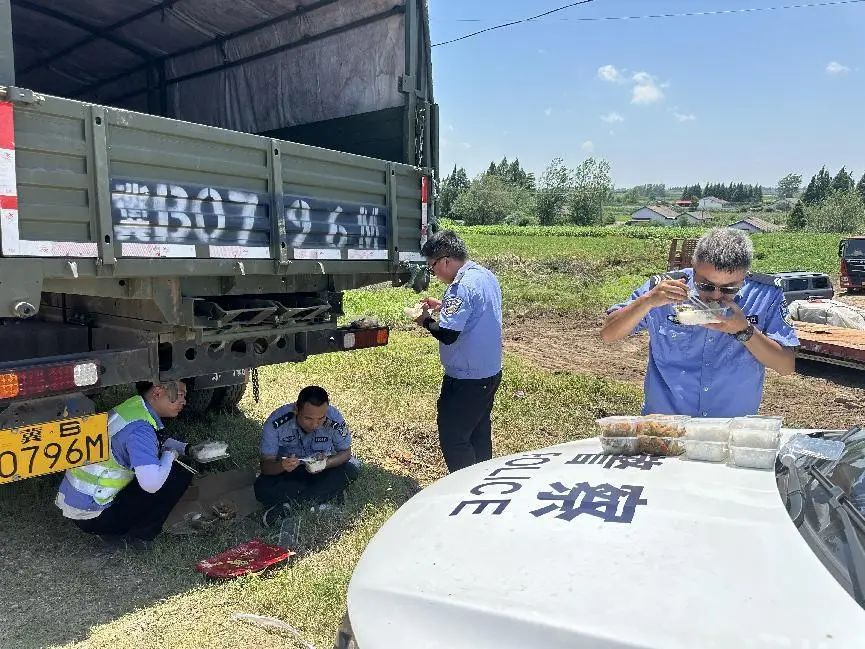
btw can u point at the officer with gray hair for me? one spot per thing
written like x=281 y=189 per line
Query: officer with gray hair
x=469 y=331
x=716 y=369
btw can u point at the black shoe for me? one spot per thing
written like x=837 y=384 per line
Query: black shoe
x=272 y=515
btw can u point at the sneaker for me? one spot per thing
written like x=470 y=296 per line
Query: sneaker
x=323 y=507
x=272 y=515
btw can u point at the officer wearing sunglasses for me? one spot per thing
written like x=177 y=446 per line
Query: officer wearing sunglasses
x=713 y=370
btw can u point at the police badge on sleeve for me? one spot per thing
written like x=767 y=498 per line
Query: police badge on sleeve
x=451 y=305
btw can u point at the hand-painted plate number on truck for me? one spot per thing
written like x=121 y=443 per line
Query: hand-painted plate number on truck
x=163 y=219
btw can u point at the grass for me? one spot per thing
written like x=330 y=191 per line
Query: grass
x=59 y=592
x=156 y=599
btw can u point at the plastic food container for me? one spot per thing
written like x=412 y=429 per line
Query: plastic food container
x=753 y=458
x=619 y=445
x=755 y=432
x=617 y=426
x=662 y=425
x=705 y=451
x=689 y=314
x=652 y=445
x=708 y=429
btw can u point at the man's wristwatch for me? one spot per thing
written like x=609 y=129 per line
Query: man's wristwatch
x=744 y=335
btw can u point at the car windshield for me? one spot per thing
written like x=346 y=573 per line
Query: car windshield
x=854 y=248
x=837 y=538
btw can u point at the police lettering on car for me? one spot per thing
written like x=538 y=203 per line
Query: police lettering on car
x=714 y=370
x=469 y=331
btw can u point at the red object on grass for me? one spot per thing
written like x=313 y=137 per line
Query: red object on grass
x=251 y=556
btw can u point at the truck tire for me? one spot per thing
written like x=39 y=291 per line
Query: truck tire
x=228 y=398
x=198 y=401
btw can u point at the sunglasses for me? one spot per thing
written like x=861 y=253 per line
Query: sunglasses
x=708 y=287
x=432 y=266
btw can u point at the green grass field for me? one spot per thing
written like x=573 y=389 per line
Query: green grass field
x=56 y=592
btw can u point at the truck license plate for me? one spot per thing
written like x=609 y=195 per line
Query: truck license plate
x=54 y=446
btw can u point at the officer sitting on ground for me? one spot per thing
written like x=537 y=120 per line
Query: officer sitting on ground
x=127 y=498
x=305 y=455
x=714 y=370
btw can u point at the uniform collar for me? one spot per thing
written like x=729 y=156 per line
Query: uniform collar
x=462 y=271
x=159 y=424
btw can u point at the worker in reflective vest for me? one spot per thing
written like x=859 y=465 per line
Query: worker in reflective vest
x=129 y=496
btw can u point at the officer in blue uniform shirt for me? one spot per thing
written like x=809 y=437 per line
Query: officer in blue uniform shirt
x=713 y=370
x=469 y=331
x=305 y=454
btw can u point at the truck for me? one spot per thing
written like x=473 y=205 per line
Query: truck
x=187 y=189
x=851 y=252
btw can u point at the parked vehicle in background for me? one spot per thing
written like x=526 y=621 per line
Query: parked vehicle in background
x=851 y=251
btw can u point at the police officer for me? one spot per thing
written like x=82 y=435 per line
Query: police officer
x=469 y=331
x=305 y=455
x=127 y=498
x=714 y=370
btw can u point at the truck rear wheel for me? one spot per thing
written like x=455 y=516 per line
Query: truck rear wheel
x=228 y=398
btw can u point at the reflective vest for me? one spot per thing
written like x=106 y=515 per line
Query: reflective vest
x=104 y=480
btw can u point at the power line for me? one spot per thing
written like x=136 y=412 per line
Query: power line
x=517 y=22
x=716 y=12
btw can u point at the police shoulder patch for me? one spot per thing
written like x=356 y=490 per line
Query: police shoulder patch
x=451 y=305
x=785 y=313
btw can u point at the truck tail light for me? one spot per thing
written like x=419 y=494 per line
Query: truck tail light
x=377 y=337
x=845 y=275
x=47 y=379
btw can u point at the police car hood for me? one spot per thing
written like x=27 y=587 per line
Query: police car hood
x=566 y=548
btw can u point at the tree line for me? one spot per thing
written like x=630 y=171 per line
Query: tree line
x=507 y=193
x=731 y=192
x=828 y=204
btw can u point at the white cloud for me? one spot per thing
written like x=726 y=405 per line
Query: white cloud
x=609 y=73
x=612 y=133
x=588 y=146
x=646 y=89
x=467 y=145
x=833 y=67
x=548 y=111
x=612 y=118
x=685 y=117
x=451 y=128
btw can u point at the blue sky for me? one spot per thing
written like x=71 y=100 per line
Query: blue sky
x=745 y=97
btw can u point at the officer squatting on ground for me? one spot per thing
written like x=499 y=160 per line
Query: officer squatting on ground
x=127 y=498
x=717 y=369
x=305 y=455
x=469 y=331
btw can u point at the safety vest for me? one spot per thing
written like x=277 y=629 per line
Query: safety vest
x=104 y=480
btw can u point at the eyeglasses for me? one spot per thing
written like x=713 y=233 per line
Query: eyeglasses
x=708 y=287
x=432 y=266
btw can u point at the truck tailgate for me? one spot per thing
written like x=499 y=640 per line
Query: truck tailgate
x=97 y=182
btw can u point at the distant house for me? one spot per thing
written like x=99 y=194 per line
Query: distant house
x=712 y=203
x=684 y=203
x=755 y=224
x=696 y=218
x=655 y=214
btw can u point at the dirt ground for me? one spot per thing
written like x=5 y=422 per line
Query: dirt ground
x=816 y=396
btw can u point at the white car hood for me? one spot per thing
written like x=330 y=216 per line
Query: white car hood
x=706 y=558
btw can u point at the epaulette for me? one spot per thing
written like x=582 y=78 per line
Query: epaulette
x=654 y=280
x=279 y=422
x=764 y=278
